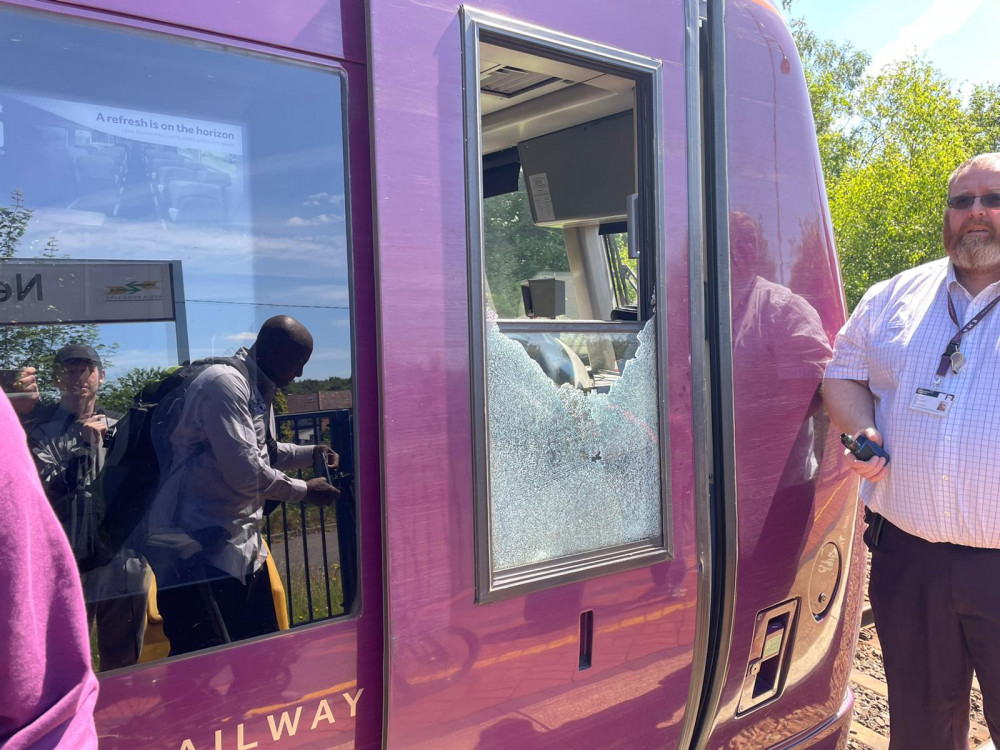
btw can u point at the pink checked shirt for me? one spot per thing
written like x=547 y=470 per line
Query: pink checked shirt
x=943 y=482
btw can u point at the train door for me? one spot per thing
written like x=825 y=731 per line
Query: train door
x=533 y=167
x=170 y=178
x=790 y=559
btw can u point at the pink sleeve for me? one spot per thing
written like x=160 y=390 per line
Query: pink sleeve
x=49 y=689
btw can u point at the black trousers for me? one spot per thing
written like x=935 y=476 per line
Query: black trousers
x=937 y=612
x=216 y=609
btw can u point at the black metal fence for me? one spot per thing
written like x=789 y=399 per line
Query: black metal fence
x=314 y=548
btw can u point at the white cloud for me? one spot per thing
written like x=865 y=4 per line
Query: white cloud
x=242 y=338
x=318 y=199
x=941 y=19
x=298 y=221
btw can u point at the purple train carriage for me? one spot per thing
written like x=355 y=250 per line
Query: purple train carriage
x=572 y=284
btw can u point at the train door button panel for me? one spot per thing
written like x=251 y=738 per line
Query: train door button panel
x=769 y=652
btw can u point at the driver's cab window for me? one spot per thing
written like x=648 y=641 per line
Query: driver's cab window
x=567 y=260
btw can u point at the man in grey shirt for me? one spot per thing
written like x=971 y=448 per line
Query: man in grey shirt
x=219 y=464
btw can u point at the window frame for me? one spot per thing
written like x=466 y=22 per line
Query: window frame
x=647 y=73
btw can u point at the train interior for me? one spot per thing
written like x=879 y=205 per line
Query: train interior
x=559 y=174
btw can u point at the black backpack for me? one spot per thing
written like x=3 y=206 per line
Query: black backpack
x=130 y=478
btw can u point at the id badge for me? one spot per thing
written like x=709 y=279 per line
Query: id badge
x=929 y=401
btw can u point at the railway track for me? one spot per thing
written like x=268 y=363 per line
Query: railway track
x=870 y=728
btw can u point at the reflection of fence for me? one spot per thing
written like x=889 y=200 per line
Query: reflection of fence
x=315 y=548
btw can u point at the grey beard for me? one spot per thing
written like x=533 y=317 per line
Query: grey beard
x=974 y=253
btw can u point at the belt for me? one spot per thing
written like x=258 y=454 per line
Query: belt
x=877 y=524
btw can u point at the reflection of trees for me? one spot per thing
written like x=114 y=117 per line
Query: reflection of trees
x=117 y=394
x=309 y=385
x=812 y=272
x=36 y=345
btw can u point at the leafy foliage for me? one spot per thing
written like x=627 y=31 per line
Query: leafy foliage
x=888 y=143
x=116 y=395
x=13 y=224
x=517 y=250
x=315 y=386
x=833 y=74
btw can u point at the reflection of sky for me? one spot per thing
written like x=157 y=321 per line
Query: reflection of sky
x=288 y=257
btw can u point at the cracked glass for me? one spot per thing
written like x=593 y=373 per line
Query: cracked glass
x=573 y=442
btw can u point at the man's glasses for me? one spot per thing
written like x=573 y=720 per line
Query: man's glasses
x=964 y=202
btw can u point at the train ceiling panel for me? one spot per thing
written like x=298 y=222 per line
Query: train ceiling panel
x=523 y=96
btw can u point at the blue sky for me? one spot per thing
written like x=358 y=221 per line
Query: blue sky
x=272 y=235
x=958 y=36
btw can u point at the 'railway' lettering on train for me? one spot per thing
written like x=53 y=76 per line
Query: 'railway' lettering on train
x=277 y=726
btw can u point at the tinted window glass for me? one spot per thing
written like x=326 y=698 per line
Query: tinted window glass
x=161 y=201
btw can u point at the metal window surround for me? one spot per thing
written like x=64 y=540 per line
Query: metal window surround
x=647 y=74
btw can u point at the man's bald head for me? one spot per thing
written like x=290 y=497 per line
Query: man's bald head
x=989 y=161
x=282 y=349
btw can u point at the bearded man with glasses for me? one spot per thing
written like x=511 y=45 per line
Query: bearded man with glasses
x=917 y=371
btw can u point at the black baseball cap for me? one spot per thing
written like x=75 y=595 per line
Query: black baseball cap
x=78 y=351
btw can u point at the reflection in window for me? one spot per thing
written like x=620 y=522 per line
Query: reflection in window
x=159 y=201
x=624 y=270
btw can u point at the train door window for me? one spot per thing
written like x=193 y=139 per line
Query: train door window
x=567 y=346
x=623 y=267
x=163 y=201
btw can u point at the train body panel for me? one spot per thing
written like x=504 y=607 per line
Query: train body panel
x=511 y=668
x=715 y=607
x=794 y=500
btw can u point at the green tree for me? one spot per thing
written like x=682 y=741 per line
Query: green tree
x=315 y=386
x=888 y=143
x=984 y=109
x=887 y=202
x=117 y=395
x=516 y=249
x=834 y=74
x=36 y=346
x=13 y=224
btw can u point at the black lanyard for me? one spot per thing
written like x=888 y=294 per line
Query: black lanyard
x=953 y=357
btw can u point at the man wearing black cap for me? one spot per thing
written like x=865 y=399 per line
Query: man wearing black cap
x=68 y=441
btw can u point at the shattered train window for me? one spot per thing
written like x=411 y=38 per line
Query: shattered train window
x=569 y=432
x=573 y=439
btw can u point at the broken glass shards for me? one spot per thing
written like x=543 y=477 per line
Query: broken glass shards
x=571 y=469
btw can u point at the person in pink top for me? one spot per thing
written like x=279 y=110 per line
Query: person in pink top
x=47 y=687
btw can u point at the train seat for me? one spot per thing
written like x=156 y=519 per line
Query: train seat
x=156 y=645
x=165 y=175
x=195 y=202
x=96 y=172
x=214 y=177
